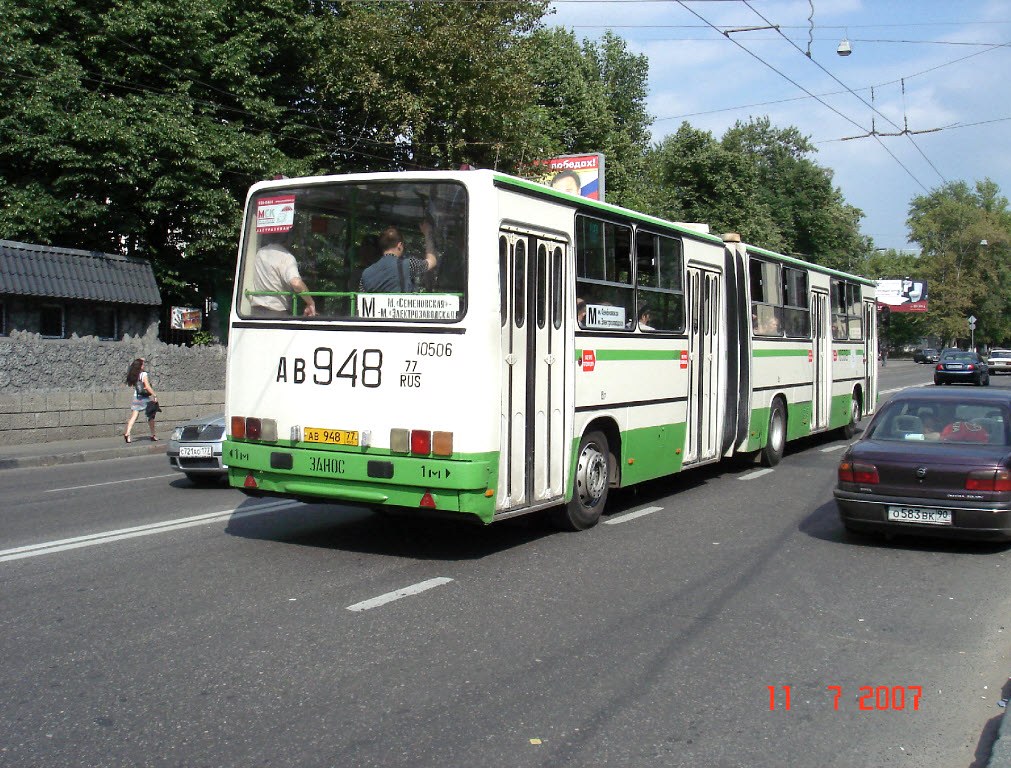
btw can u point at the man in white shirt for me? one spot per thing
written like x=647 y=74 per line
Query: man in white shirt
x=276 y=272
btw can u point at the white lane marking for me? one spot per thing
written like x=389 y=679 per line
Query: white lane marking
x=389 y=597
x=756 y=473
x=104 y=537
x=113 y=482
x=632 y=515
x=830 y=448
x=897 y=389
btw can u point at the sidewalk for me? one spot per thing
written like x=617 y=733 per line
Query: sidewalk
x=76 y=451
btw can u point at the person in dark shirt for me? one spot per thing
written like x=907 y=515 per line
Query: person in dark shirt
x=395 y=272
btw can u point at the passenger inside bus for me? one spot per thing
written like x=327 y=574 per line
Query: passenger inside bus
x=394 y=272
x=275 y=276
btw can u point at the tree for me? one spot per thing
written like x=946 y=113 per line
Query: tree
x=965 y=276
x=592 y=98
x=810 y=214
x=691 y=177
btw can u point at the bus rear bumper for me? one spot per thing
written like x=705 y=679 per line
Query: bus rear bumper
x=364 y=479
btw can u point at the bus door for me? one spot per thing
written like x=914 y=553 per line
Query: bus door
x=703 y=428
x=870 y=356
x=821 y=360
x=533 y=446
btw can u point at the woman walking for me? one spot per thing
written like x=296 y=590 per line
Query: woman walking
x=143 y=394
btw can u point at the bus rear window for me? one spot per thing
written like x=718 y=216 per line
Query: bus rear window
x=375 y=251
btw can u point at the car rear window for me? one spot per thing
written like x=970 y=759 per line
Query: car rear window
x=942 y=421
x=1001 y=353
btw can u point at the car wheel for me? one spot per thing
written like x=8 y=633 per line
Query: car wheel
x=937 y=382
x=775 y=442
x=590 y=484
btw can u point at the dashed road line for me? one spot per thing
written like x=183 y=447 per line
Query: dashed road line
x=632 y=515
x=756 y=473
x=389 y=597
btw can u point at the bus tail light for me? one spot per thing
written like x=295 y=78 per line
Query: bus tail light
x=427 y=500
x=421 y=441
x=854 y=472
x=250 y=481
x=400 y=440
x=442 y=443
x=988 y=480
x=254 y=428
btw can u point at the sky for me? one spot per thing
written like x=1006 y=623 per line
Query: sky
x=932 y=64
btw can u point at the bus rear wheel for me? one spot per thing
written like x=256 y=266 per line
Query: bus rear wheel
x=850 y=429
x=591 y=482
x=775 y=443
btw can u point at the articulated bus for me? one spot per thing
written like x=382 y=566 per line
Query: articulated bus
x=560 y=347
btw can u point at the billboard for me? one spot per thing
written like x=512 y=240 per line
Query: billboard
x=576 y=174
x=902 y=295
x=186 y=319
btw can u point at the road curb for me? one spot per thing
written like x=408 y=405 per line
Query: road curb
x=77 y=456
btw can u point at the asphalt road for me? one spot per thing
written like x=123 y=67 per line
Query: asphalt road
x=144 y=621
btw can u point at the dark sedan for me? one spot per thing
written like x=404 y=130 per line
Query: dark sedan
x=931 y=462
x=926 y=356
x=957 y=367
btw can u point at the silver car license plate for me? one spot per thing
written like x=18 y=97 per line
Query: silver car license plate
x=194 y=451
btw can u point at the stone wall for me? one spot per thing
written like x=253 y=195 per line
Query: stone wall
x=60 y=389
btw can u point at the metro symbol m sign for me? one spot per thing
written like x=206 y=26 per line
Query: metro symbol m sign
x=589 y=359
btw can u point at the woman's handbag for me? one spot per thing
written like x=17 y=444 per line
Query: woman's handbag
x=151 y=408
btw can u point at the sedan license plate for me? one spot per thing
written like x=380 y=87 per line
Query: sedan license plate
x=194 y=451
x=331 y=436
x=919 y=515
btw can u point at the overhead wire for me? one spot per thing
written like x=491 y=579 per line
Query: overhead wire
x=856 y=95
x=789 y=79
x=834 y=93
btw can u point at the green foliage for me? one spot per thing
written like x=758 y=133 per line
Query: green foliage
x=203 y=339
x=592 y=98
x=965 y=277
x=136 y=126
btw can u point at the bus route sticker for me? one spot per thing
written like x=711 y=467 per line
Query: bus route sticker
x=275 y=214
x=684 y=359
x=409 y=306
x=589 y=359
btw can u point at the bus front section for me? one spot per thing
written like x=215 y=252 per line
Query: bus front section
x=353 y=349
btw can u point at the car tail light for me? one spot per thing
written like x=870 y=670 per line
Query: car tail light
x=939 y=367
x=971 y=367
x=996 y=480
x=855 y=472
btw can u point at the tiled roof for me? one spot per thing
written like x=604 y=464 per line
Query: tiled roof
x=44 y=270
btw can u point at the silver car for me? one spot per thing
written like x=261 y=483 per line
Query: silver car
x=195 y=449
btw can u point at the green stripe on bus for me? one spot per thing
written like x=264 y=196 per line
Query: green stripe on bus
x=781 y=353
x=632 y=354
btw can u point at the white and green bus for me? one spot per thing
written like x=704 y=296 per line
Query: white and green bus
x=559 y=348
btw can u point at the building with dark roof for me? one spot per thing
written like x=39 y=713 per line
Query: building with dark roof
x=59 y=292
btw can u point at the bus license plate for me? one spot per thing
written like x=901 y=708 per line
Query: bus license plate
x=919 y=515
x=331 y=436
